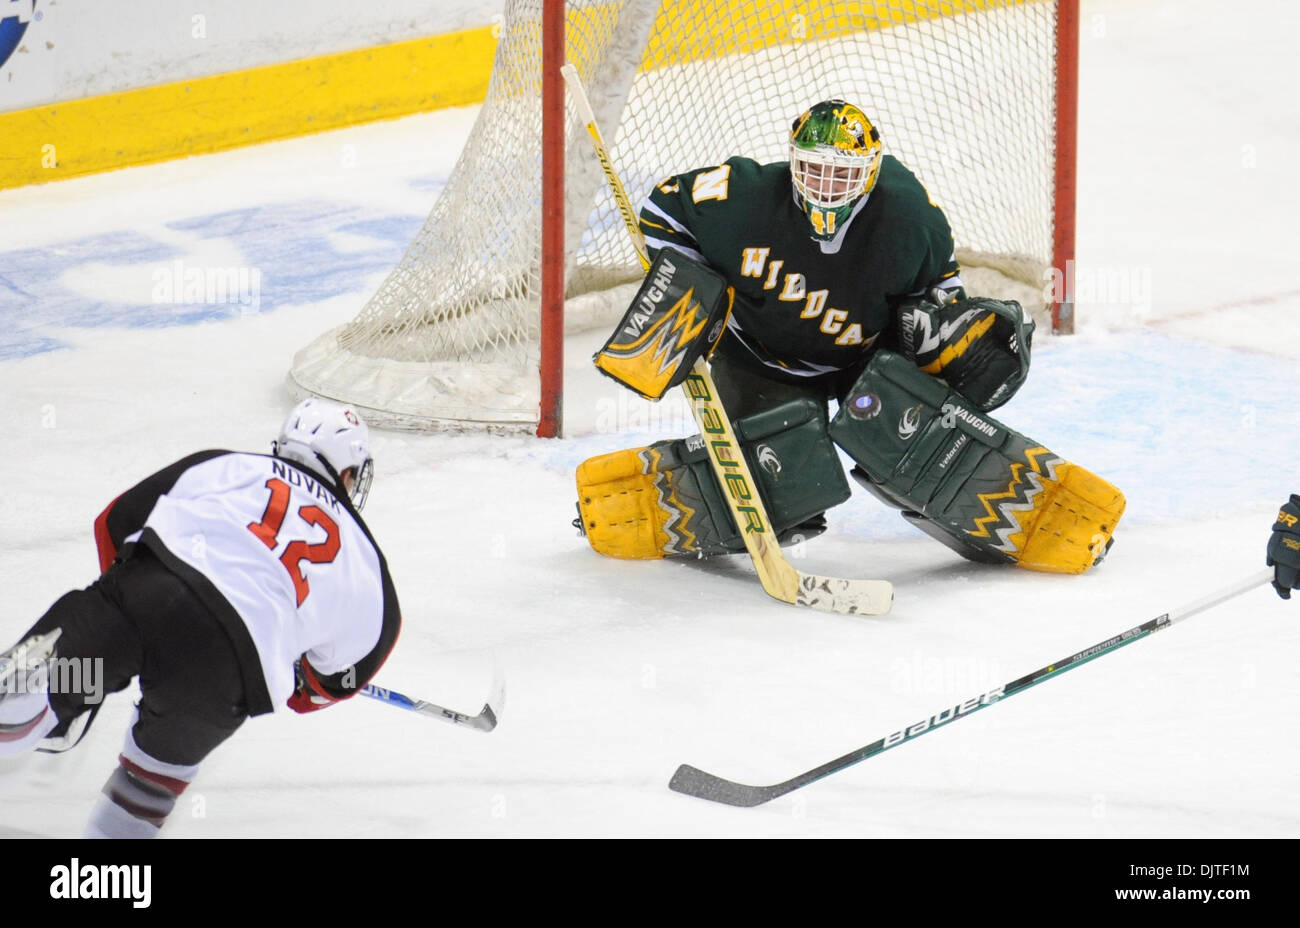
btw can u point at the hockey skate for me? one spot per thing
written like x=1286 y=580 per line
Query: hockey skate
x=18 y=659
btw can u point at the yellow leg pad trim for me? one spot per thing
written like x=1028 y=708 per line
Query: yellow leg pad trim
x=629 y=509
x=1071 y=521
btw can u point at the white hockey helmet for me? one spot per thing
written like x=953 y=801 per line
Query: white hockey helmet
x=328 y=439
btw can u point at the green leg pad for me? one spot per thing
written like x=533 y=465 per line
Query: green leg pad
x=664 y=500
x=996 y=494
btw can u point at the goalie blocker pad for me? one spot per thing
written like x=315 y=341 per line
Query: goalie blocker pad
x=678 y=315
x=665 y=501
x=988 y=492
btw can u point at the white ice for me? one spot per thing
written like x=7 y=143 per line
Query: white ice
x=1181 y=390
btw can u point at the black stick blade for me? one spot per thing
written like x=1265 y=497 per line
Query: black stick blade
x=703 y=785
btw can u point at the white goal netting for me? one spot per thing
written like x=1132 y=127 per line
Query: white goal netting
x=962 y=92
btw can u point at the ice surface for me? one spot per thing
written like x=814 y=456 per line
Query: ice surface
x=1181 y=389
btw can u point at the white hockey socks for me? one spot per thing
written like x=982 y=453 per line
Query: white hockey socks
x=138 y=796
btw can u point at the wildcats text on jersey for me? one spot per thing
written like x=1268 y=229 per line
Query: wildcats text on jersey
x=803 y=307
x=754 y=262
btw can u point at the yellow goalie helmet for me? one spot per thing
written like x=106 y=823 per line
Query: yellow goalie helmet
x=835 y=155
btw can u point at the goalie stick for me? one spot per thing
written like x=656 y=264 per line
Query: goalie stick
x=695 y=782
x=486 y=720
x=779 y=578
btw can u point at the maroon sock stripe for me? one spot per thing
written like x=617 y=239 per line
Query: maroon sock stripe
x=21 y=730
x=171 y=784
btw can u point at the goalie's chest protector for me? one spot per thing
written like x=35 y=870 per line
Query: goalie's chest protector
x=286 y=554
x=803 y=309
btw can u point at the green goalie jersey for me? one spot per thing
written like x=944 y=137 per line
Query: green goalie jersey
x=804 y=307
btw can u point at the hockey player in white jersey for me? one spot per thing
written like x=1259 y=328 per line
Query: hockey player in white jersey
x=232 y=584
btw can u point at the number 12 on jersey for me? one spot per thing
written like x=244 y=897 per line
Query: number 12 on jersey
x=268 y=531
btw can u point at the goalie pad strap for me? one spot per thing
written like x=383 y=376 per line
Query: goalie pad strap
x=990 y=487
x=664 y=500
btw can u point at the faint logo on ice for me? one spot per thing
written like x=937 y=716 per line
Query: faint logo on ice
x=180 y=283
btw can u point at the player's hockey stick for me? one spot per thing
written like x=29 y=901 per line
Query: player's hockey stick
x=40 y=648
x=486 y=720
x=780 y=579
x=696 y=782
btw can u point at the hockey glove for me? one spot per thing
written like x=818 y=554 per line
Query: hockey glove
x=308 y=696
x=979 y=347
x=678 y=315
x=1284 y=548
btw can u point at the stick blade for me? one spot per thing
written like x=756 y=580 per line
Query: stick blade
x=692 y=781
x=484 y=721
x=849 y=597
x=487 y=718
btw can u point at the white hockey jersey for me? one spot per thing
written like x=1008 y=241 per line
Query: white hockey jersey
x=286 y=553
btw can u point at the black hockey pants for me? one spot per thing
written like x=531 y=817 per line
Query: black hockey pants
x=142 y=620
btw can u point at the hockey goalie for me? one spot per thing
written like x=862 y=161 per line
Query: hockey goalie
x=831 y=276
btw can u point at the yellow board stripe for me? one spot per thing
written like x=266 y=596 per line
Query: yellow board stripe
x=733 y=29
x=244 y=107
x=331 y=91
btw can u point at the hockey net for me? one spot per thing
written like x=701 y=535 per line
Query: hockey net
x=964 y=94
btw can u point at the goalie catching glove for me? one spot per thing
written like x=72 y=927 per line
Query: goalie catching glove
x=676 y=317
x=979 y=347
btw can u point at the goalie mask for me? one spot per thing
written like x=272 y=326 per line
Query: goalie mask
x=329 y=440
x=835 y=155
